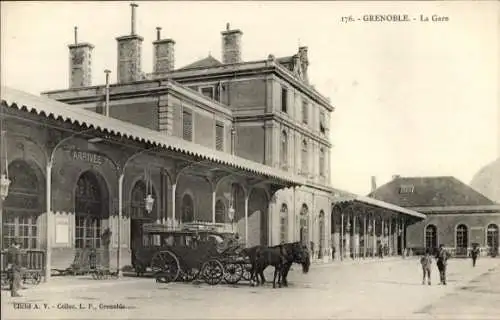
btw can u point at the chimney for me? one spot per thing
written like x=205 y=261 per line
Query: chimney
x=80 y=63
x=374 y=183
x=129 y=53
x=164 y=54
x=231 y=45
x=396 y=176
x=304 y=61
x=106 y=105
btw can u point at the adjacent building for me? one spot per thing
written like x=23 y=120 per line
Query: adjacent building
x=457 y=215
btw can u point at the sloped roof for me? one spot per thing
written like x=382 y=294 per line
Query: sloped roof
x=207 y=62
x=16 y=99
x=429 y=192
x=487 y=180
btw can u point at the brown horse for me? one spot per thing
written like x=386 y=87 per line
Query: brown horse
x=271 y=256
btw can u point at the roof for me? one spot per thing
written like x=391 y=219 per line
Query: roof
x=487 y=180
x=207 y=62
x=49 y=108
x=345 y=197
x=429 y=192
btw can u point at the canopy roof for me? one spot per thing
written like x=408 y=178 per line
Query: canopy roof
x=16 y=99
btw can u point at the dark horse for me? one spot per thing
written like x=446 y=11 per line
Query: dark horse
x=251 y=254
x=281 y=257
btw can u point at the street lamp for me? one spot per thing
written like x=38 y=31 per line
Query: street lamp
x=370 y=228
x=149 y=200
x=230 y=214
x=4 y=184
x=348 y=227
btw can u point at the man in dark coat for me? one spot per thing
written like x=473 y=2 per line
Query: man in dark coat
x=14 y=267
x=441 y=261
x=474 y=254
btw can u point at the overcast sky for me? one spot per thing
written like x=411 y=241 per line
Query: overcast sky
x=415 y=99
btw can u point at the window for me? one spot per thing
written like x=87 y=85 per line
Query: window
x=220 y=210
x=321 y=162
x=24 y=228
x=22 y=206
x=284 y=99
x=322 y=122
x=284 y=150
x=304 y=112
x=187 y=209
x=406 y=189
x=88 y=232
x=462 y=240
x=208 y=92
x=431 y=237
x=187 y=125
x=284 y=223
x=219 y=136
x=304 y=157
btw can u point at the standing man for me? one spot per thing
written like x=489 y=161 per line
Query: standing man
x=474 y=254
x=14 y=267
x=441 y=261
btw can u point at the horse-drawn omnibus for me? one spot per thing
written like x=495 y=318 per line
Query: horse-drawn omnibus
x=193 y=251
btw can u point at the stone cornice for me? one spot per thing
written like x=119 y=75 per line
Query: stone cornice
x=458 y=209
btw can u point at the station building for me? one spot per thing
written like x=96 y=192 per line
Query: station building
x=204 y=140
x=457 y=215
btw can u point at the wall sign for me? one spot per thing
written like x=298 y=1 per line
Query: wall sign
x=89 y=157
x=62 y=230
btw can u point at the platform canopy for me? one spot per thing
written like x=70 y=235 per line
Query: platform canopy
x=52 y=109
x=343 y=198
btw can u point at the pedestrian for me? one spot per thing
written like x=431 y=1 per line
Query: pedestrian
x=474 y=254
x=442 y=261
x=426 y=262
x=333 y=252
x=380 y=251
x=14 y=267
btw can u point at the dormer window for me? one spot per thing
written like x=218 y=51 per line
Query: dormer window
x=211 y=92
x=406 y=189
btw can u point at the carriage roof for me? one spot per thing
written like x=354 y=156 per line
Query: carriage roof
x=161 y=229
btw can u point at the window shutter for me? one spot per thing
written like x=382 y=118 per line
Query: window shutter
x=187 y=126
x=219 y=136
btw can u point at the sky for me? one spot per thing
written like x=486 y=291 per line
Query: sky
x=413 y=99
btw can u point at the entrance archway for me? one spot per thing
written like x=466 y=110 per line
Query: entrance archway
x=187 y=209
x=322 y=236
x=462 y=239
x=91 y=207
x=139 y=215
x=23 y=206
x=492 y=239
x=304 y=225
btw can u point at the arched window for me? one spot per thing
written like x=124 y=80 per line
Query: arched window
x=304 y=156
x=492 y=238
x=462 y=239
x=284 y=223
x=187 y=209
x=220 y=210
x=284 y=150
x=322 y=162
x=22 y=206
x=431 y=237
x=304 y=225
x=88 y=211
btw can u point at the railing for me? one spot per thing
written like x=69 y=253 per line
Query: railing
x=29 y=260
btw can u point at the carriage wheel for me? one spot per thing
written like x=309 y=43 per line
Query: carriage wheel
x=247 y=272
x=165 y=266
x=233 y=273
x=212 y=272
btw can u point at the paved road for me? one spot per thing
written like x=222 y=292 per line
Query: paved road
x=376 y=290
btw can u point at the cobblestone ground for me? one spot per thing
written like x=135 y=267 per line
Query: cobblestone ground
x=389 y=289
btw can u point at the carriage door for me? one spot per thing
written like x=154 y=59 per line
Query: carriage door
x=139 y=216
